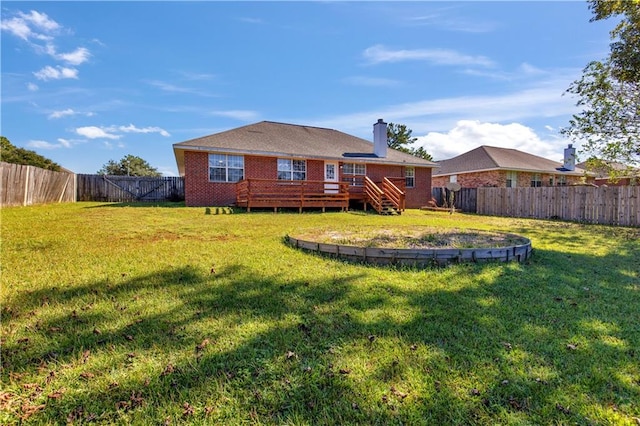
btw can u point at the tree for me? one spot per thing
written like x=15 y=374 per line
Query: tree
x=609 y=92
x=399 y=138
x=10 y=153
x=129 y=165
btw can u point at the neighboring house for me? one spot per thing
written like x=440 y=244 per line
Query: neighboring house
x=270 y=164
x=488 y=166
x=625 y=175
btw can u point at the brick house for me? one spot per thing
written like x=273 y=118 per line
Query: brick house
x=626 y=175
x=285 y=163
x=488 y=166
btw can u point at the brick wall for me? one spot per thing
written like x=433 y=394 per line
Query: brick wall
x=421 y=193
x=417 y=196
x=200 y=192
x=498 y=178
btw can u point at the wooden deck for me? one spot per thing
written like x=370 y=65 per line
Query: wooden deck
x=385 y=198
x=268 y=193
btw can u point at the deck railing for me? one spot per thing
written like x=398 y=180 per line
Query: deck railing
x=271 y=193
x=393 y=193
x=373 y=194
x=384 y=198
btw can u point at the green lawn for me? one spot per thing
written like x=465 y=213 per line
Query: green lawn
x=146 y=315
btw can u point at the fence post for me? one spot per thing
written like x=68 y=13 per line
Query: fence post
x=26 y=186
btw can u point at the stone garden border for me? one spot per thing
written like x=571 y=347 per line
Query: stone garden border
x=418 y=257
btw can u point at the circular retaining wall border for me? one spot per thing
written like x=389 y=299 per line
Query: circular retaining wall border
x=417 y=257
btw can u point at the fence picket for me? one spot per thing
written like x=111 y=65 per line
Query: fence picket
x=129 y=188
x=26 y=185
x=603 y=205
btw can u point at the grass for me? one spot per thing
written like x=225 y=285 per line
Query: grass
x=150 y=315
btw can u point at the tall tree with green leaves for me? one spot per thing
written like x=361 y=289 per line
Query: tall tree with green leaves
x=609 y=92
x=399 y=138
x=10 y=153
x=129 y=165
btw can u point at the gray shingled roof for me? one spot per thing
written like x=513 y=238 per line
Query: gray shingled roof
x=289 y=140
x=605 y=169
x=486 y=158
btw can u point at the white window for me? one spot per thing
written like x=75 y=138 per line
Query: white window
x=561 y=180
x=292 y=169
x=453 y=178
x=353 y=173
x=226 y=168
x=536 y=180
x=410 y=177
x=512 y=179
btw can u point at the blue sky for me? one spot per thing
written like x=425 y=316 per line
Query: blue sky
x=87 y=82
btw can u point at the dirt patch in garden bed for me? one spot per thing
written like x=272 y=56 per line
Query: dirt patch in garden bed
x=415 y=238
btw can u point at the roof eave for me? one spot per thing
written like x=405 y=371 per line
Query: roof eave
x=509 y=169
x=180 y=148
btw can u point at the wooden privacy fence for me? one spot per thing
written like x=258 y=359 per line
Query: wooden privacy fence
x=27 y=185
x=129 y=188
x=465 y=199
x=613 y=205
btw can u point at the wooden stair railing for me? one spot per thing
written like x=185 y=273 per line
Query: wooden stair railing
x=393 y=193
x=372 y=195
x=386 y=200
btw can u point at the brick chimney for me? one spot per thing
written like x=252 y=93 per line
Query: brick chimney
x=380 y=138
x=570 y=158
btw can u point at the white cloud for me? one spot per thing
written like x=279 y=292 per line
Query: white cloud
x=470 y=134
x=115 y=132
x=16 y=26
x=371 y=81
x=93 y=132
x=524 y=72
x=196 y=76
x=542 y=99
x=65 y=142
x=68 y=112
x=133 y=129
x=172 y=88
x=50 y=73
x=379 y=54
x=108 y=145
x=40 y=20
x=38 y=144
x=243 y=115
x=39 y=32
x=62 y=143
x=32 y=25
x=77 y=57
x=63 y=113
x=32 y=87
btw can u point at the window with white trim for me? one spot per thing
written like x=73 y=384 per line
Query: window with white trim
x=289 y=169
x=353 y=173
x=512 y=179
x=410 y=177
x=226 y=168
x=453 y=178
x=536 y=180
x=561 y=180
